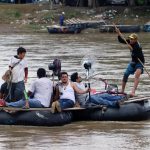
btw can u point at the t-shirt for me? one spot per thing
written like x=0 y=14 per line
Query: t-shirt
x=42 y=89
x=136 y=53
x=81 y=98
x=18 y=66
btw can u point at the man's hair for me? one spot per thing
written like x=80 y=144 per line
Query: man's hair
x=74 y=77
x=63 y=73
x=21 y=50
x=41 y=72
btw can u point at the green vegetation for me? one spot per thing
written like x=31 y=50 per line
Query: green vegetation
x=14 y=14
x=73 y=14
x=49 y=17
x=35 y=16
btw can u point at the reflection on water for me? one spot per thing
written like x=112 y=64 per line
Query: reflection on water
x=111 y=60
x=80 y=135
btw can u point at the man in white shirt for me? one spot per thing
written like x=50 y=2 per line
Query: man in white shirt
x=19 y=68
x=41 y=89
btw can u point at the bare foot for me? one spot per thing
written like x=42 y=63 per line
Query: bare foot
x=132 y=95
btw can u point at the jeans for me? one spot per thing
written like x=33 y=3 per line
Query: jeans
x=33 y=103
x=132 y=68
x=105 y=99
x=66 y=103
x=17 y=91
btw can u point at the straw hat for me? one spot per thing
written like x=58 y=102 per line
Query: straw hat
x=7 y=76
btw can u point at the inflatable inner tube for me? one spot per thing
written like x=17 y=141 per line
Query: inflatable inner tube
x=127 y=112
x=6 y=118
x=43 y=118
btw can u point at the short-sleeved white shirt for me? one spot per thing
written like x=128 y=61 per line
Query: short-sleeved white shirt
x=18 y=71
x=42 y=89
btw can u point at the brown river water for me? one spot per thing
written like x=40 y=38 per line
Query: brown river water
x=111 y=59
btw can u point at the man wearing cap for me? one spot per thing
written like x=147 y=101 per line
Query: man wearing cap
x=135 y=66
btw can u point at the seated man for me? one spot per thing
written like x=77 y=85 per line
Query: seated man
x=98 y=99
x=65 y=92
x=41 y=89
x=80 y=98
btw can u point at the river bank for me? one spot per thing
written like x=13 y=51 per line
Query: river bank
x=35 y=17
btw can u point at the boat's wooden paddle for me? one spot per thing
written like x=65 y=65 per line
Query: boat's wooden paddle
x=129 y=46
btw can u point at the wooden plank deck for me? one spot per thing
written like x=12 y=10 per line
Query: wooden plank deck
x=131 y=100
x=38 y=109
x=77 y=20
x=136 y=99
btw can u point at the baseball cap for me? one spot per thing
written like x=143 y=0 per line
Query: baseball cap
x=133 y=36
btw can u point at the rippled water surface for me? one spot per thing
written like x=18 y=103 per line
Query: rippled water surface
x=111 y=59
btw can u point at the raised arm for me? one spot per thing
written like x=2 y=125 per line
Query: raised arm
x=77 y=90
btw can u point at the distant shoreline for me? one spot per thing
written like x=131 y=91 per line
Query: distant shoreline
x=28 y=18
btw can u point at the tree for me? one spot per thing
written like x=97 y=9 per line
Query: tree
x=51 y=4
x=92 y=3
x=131 y=2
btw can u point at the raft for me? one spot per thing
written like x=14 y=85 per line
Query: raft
x=135 y=109
x=63 y=29
x=84 y=24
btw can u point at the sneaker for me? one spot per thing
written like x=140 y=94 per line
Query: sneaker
x=58 y=106
x=53 y=107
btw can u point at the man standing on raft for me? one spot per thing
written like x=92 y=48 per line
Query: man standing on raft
x=137 y=63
